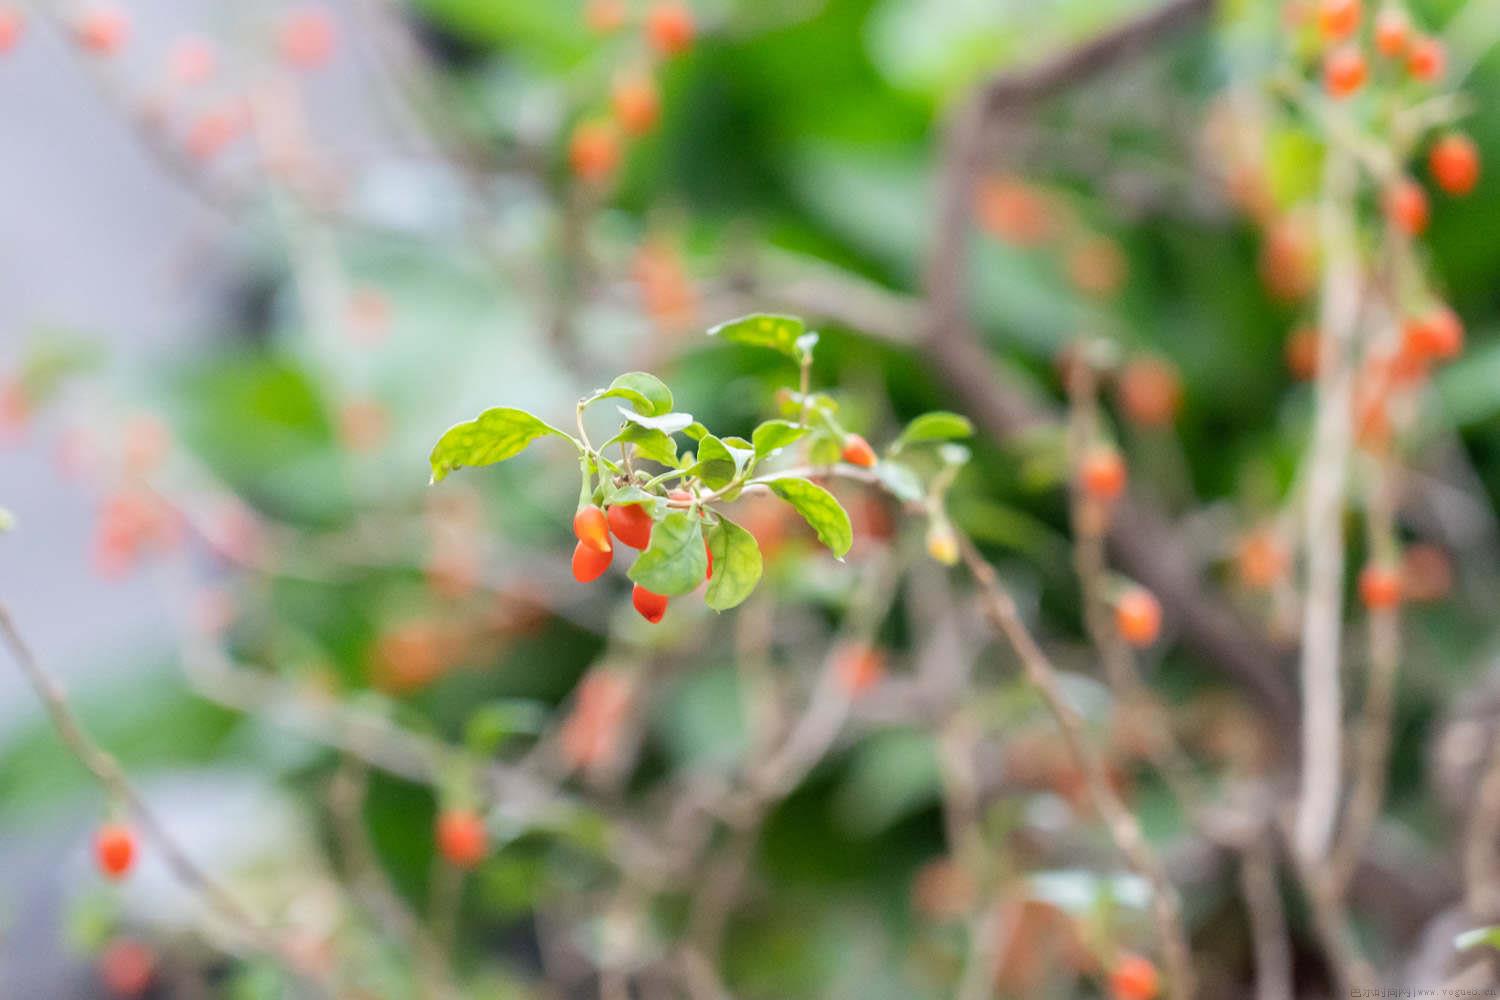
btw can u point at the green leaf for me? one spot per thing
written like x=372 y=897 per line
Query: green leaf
x=718 y=464
x=650 y=444
x=628 y=495
x=490 y=725
x=737 y=565
x=1479 y=935
x=491 y=437
x=779 y=333
x=774 y=434
x=826 y=449
x=647 y=393
x=936 y=426
x=675 y=562
x=667 y=423
x=900 y=480
x=819 y=509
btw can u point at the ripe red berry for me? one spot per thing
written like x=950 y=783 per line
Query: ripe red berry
x=589 y=563
x=212 y=131
x=306 y=38
x=1150 y=392
x=102 y=30
x=604 y=17
x=1380 y=587
x=127 y=968
x=1337 y=19
x=1102 y=474
x=1426 y=59
x=710 y=574
x=651 y=606
x=637 y=103
x=591 y=527
x=631 y=524
x=670 y=28
x=1344 y=71
x=1262 y=560
x=114 y=849
x=191 y=61
x=857 y=451
x=461 y=837
x=1133 y=978
x=1392 y=32
x=859 y=667
x=1302 y=353
x=1405 y=206
x=1454 y=163
x=1138 y=617
x=594 y=152
x=1436 y=335
x=11 y=26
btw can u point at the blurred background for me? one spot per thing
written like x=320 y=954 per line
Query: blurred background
x=258 y=257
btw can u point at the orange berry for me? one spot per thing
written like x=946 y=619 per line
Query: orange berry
x=1302 y=353
x=1454 y=163
x=102 y=30
x=637 y=103
x=114 y=849
x=12 y=24
x=1133 y=978
x=859 y=667
x=590 y=732
x=651 y=606
x=1379 y=587
x=1138 y=617
x=127 y=968
x=591 y=527
x=461 y=837
x=710 y=574
x=670 y=28
x=857 y=451
x=1150 y=392
x=1289 y=259
x=1405 y=205
x=1338 y=19
x=604 y=17
x=631 y=524
x=1392 y=31
x=1436 y=335
x=212 y=131
x=1102 y=474
x=192 y=60
x=589 y=563
x=1015 y=211
x=1344 y=71
x=306 y=38
x=1261 y=559
x=1426 y=59
x=1097 y=267
x=594 y=152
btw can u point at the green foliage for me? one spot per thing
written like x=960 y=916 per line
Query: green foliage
x=737 y=565
x=491 y=437
x=819 y=509
x=785 y=334
x=675 y=562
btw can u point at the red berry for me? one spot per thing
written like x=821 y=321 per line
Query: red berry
x=1133 y=978
x=127 y=968
x=1426 y=59
x=1337 y=19
x=1344 y=71
x=1138 y=617
x=1150 y=392
x=102 y=30
x=306 y=38
x=1406 y=206
x=670 y=28
x=859 y=666
x=1262 y=560
x=461 y=837
x=594 y=152
x=11 y=26
x=589 y=563
x=1392 y=31
x=637 y=103
x=1102 y=474
x=114 y=849
x=604 y=17
x=1454 y=163
x=212 y=131
x=1436 y=335
x=651 y=606
x=192 y=60
x=631 y=524
x=591 y=528
x=1380 y=587
x=857 y=451
x=1098 y=266
x=710 y=574
x=1302 y=353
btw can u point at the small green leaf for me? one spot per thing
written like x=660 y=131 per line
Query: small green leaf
x=490 y=725
x=1479 y=935
x=675 y=562
x=491 y=437
x=826 y=449
x=667 y=423
x=628 y=495
x=900 y=480
x=937 y=426
x=774 y=434
x=650 y=444
x=779 y=333
x=647 y=393
x=819 y=509
x=696 y=431
x=737 y=565
x=718 y=464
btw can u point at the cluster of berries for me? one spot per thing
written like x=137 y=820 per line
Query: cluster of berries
x=631 y=524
